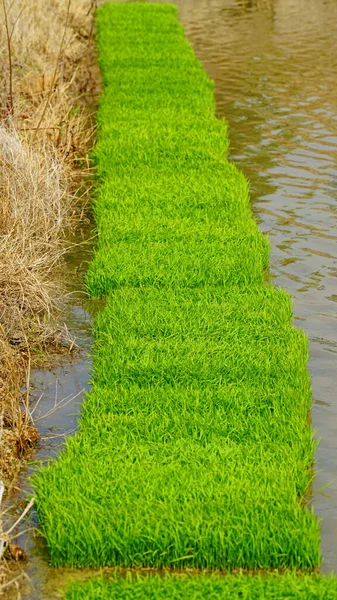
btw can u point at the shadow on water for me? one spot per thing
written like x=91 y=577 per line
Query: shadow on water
x=274 y=63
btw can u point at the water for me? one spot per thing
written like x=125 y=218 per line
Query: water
x=57 y=396
x=274 y=63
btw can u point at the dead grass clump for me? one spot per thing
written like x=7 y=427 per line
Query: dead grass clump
x=12 y=370
x=35 y=210
x=54 y=74
x=17 y=431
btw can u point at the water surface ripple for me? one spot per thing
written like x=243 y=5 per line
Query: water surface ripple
x=274 y=63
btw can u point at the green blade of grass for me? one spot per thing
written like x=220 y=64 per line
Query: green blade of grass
x=187 y=587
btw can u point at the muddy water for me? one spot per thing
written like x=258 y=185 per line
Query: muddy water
x=274 y=63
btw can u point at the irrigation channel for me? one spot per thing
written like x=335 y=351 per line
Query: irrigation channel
x=274 y=65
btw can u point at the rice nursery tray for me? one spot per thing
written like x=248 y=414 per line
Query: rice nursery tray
x=194 y=447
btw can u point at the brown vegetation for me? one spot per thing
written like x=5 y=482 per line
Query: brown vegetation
x=48 y=88
x=48 y=83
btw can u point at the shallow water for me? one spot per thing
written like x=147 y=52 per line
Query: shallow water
x=57 y=395
x=274 y=64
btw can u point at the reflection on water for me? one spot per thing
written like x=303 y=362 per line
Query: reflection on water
x=274 y=63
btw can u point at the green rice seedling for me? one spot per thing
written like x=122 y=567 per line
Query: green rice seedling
x=203 y=587
x=194 y=447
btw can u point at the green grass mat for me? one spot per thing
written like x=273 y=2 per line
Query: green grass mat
x=194 y=446
x=229 y=587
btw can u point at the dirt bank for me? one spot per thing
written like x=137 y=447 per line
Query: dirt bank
x=48 y=86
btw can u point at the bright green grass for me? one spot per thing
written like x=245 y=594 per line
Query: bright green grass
x=228 y=587
x=194 y=447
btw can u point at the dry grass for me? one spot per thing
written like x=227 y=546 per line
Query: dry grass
x=53 y=68
x=48 y=87
x=35 y=209
x=48 y=84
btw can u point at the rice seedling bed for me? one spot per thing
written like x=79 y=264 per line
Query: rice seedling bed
x=194 y=447
x=289 y=586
